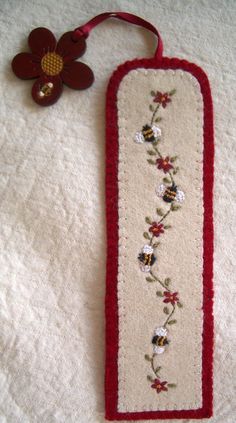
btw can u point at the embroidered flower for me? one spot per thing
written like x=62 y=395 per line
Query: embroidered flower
x=164 y=164
x=148 y=134
x=159 y=340
x=156 y=229
x=170 y=194
x=162 y=98
x=159 y=386
x=171 y=297
x=53 y=64
x=146 y=258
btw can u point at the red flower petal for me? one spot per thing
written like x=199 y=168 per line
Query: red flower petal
x=51 y=94
x=41 y=41
x=77 y=75
x=25 y=66
x=70 y=49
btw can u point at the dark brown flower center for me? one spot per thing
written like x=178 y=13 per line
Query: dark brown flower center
x=52 y=64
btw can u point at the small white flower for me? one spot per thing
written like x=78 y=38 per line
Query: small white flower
x=160 y=331
x=139 y=138
x=160 y=190
x=179 y=196
x=147 y=249
x=156 y=132
x=158 y=350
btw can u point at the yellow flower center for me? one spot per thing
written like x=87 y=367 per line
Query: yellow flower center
x=52 y=64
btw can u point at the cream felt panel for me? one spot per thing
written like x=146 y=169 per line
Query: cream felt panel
x=180 y=253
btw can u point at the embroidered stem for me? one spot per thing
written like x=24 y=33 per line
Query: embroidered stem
x=165 y=215
x=170 y=315
x=154 y=113
x=155 y=371
x=159 y=281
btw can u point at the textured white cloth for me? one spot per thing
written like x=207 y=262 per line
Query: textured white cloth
x=52 y=224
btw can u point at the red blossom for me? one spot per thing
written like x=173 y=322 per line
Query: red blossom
x=52 y=64
x=156 y=229
x=164 y=164
x=171 y=297
x=162 y=98
x=159 y=386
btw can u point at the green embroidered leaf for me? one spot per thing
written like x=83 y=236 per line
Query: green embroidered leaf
x=160 y=212
x=150 y=378
x=150 y=161
x=157 y=369
x=158 y=119
x=171 y=385
x=175 y=207
x=176 y=169
x=145 y=234
x=152 y=93
x=155 y=142
x=172 y=92
x=151 y=108
x=167 y=226
x=147 y=357
x=180 y=305
x=156 y=244
x=167 y=281
x=148 y=220
x=148 y=279
x=166 y=310
x=151 y=152
x=172 y=159
x=172 y=322
x=166 y=180
x=159 y=294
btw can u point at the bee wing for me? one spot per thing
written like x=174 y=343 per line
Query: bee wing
x=158 y=350
x=156 y=131
x=160 y=190
x=180 y=196
x=139 y=138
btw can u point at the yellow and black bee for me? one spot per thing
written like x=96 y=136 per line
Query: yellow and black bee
x=149 y=133
x=46 y=90
x=160 y=341
x=146 y=258
x=170 y=194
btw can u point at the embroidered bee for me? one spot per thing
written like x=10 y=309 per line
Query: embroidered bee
x=159 y=340
x=170 y=194
x=148 y=134
x=146 y=258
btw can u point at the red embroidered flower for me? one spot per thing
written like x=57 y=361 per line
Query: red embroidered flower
x=156 y=229
x=171 y=297
x=159 y=386
x=162 y=98
x=52 y=63
x=164 y=164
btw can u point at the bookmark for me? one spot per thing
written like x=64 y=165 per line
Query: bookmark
x=159 y=209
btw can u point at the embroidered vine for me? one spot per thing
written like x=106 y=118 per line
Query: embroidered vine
x=169 y=192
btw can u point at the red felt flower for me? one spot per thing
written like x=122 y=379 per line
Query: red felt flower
x=52 y=64
x=162 y=98
x=159 y=386
x=171 y=297
x=156 y=229
x=164 y=164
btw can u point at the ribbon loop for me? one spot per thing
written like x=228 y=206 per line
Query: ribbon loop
x=85 y=29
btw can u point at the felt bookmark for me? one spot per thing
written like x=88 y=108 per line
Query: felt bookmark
x=159 y=205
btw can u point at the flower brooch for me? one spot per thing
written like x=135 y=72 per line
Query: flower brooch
x=52 y=64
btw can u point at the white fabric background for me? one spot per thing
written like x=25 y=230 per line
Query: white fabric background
x=52 y=224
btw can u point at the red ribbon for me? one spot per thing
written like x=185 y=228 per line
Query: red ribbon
x=84 y=30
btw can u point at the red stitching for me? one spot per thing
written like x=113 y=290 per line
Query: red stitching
x=111 y=375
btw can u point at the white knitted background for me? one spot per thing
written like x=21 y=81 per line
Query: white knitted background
x=52 y=223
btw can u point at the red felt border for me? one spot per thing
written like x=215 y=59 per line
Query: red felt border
x=112 y=328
